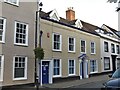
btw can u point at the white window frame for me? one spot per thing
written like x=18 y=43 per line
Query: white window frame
x=107 y=63
x=118 y=63
x=106 y=49
x=74 y=68
x=2 y=67
x=81 y=45
x=4 y=29
x=60 y=48
x=74 y=44
x=117 y=49
x=11 y=2
x=112 y=48
x=93 y=48
x=25 y=71
x=96 y=67
x=60 y=73
x=21 y=44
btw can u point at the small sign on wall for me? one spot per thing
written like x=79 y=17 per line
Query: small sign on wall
x=48 y=35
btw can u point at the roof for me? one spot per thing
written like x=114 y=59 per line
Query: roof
x=87 y=27
x=113 y=30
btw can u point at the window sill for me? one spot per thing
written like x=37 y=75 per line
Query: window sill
x=93 y=72
x=93 y=53
x=2 y=42
x=72 y=75
x=71 y=51
x=24 y=45
x=17 y=79
x=55 y=50
x=56 y=76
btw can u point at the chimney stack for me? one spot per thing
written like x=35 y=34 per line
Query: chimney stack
x=70 y=14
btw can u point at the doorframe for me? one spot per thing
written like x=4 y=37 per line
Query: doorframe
x=85 y=65
x=50 y=71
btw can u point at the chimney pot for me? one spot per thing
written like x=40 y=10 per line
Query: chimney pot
x=70 y=14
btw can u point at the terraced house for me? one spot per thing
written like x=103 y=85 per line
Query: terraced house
x=17 y=42
x=71 y=50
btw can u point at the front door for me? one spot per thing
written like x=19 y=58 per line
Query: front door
x=114 y=62
x=45 y=72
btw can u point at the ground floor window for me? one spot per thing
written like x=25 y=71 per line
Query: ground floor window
x=93 y=66
x=57 y=67
x=106 y=63
x=20 y=67
x=1 y=67
x=71 y=67
x=118 y=62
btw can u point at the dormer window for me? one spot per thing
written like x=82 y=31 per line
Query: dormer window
x=54 y=15
x=99 y=31
x=78 y=24
x=14 y=2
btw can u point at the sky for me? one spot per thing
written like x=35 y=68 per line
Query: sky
x=96 y=12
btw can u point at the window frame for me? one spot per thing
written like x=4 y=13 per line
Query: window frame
x=112 y=48
x=106 y=49
x=2 y=67
x=4 y=29
x=25 y=69
x=60 y=48
x=81 y=45
x=8 y=1
x=60 y=68
x=107 y=63
x=71 y=66
x=71 y=44
x=117 y=49
x=26 y=39
x=94 y=66
x=93 y=48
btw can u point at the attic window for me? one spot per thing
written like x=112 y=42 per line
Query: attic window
x=110 y=34
x=99 y=31
x=54 y=15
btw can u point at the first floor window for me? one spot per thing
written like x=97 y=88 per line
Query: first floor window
x=57 y=42
x=106 y=63
x=21 y=33
x=92 y=47
x=118 y=62
x=71 y=67
x=83 y=46
x=71 y=44
x=2 y=29
x=112 y=48
x=56 y=67
x=118 y=49
x=1 y=67
x=20 y=67
x=106 y=47
x=93 y=66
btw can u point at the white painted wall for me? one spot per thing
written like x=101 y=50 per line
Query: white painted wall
x=107 y=54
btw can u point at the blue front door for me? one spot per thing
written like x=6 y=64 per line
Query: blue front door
x=45 y=72
x=82 y=69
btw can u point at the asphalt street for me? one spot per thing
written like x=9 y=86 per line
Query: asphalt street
x=97 y=84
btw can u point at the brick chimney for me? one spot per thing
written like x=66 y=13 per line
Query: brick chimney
x=70 y=14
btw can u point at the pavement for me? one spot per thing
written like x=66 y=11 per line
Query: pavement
x=76 y=82
x=66 y=84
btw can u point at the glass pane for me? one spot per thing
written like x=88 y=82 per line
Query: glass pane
x=19 y=72
x=1 y=21
x=1 y=27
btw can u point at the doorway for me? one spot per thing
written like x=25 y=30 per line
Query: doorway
x=114 y=62
x=45 y=72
